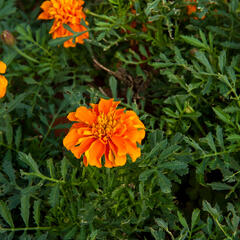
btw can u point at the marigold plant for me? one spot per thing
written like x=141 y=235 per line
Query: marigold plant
x=68 y=12
x=104 y=130
x=3 y=80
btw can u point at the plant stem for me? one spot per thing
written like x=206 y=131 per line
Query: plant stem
x=20 y=52
x=24 y=229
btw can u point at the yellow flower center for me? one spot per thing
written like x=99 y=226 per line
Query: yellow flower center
x=104 y=126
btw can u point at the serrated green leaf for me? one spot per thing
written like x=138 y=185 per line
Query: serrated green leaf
x=157 y=148
x=93 y=235
x=18 y=137
x=194 y=144
x=143 y=51
x=223 y=116
x=210 y=141
x=173 y=165
x=161 y=223
x=113 y=86
x=25 y=207
x=54 y=195
x=222 y=60
x=151 y=7
x=14 y=103
x=195 y=217
x=195 y=42
x=220 y=186
x=36 y=211
x=232 y=75
x=168 y=152
x=157 y=65
x=233 y=137
x=182 y=220
x=6 y=214
x=164 y=183
x=200 y=56
x=212 y=211
x=232 y=45
x=219 y=134
x=70 y=235
x=7 y=166
x=146 y=174
x=64 y=168
x=29 y=161
x=51 y=167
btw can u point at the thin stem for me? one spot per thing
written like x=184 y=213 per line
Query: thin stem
x=24 y=229
x=50 y=126
x=220 y=226
x=24 y=54
x=44 y=177
x=99 y=16
x=6 y=146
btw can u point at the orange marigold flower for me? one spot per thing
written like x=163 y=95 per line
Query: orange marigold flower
x=104 y=130
x=3 y=80
x=68 y=12
x=192 y=8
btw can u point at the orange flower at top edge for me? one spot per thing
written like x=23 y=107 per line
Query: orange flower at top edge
x=104 y=130
x=192 y=8
x=68 y=12
x=3 y=80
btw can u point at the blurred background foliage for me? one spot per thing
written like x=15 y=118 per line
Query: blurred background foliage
x=178 y=72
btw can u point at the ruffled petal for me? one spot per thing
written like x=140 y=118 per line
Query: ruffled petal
x=120 y=144
x=120 y=160
x=85 y=115
x=71 y=138
x=105 y=105
x=3 y=86
x=3 y=67
x=83 y=147
x=108 y=157
x=94 y=153
x=46 y=5
x=71 y=117
x=133 y=151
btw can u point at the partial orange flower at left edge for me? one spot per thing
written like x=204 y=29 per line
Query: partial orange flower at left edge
x=68 y=12
x=104 y=130
x=3 y=80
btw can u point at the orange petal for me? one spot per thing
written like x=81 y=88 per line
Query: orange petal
x=120 y=144
x=135 y=135
x=3 y=67
x=135 y=119
x=108 y=157
x=3 y=86
x=83 y=147
x=46 y=5
x=94 y=153
x=71 y=138
x=85 y=115
x=105 y=105
x=44 y=16
x=71 y=117
x=133 y=150
x=120 y=160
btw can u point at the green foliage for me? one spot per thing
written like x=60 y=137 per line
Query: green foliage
x=180 y=73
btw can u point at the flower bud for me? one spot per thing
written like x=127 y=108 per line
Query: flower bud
x=193 y=51
x=8 y=38
x=189 y=109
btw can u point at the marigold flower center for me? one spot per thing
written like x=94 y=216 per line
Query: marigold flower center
x=104 y=126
